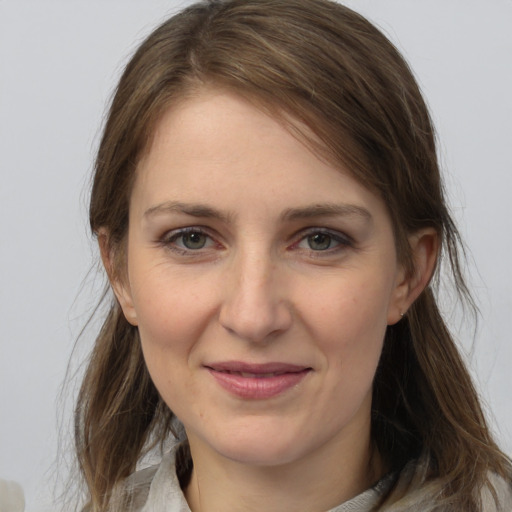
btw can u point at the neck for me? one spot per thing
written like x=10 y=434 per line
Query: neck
x=318 y=482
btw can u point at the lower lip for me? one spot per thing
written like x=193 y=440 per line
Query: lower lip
x=258 y=388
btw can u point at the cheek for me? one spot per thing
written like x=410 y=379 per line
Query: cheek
x=170 y=325
x=349 y=320
x=172 y=319
x=169 y=307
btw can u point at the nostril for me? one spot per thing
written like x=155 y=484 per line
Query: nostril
x=255 y=324
x=253 y=304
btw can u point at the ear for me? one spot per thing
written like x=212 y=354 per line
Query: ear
x=117 y=277
x=409 y=285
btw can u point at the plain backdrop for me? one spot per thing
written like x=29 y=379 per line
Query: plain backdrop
x=59 y=61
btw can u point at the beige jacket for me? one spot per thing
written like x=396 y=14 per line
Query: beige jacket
x=156 y=489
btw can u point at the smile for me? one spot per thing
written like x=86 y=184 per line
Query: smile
x=257 y=381
x=255 y=375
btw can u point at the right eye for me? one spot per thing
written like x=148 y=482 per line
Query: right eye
x=194 y=240
x=188 y=240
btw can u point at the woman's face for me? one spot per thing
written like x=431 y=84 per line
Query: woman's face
x=262 y=280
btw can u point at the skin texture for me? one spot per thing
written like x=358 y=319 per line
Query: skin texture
x=286 y=259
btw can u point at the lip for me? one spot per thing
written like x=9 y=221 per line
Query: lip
x=257 y=381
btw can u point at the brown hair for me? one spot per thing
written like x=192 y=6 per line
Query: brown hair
x=318 y=62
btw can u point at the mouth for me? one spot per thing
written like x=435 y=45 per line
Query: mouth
x=254 y=375
x=257 y=381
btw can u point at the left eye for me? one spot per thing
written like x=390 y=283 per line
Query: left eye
x=321 y=241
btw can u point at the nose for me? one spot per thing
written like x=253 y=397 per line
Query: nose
x=255 y=307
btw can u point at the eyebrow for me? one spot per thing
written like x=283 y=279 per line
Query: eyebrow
x=327 y=210
x=192 y=209
x=291 y=214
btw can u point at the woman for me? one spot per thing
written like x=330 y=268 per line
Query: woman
x=270 y=214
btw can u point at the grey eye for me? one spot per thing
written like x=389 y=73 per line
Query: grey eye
x=319 y=241
x=194 y=240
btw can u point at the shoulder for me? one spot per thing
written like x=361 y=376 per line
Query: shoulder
x=497 y=496
x=413 y=490
x=131 y=494
x=136 y=488
x=153 y=489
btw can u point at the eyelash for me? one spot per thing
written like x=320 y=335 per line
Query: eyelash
x=169 y=240
x=342 y=241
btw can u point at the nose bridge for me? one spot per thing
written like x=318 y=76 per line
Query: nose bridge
x=254 y=305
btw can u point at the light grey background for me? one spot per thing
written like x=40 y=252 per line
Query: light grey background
x=58 y=64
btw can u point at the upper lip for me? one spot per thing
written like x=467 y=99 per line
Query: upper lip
x=256 y=368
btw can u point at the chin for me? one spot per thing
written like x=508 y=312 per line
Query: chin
x=254 y=454
x=251 y=446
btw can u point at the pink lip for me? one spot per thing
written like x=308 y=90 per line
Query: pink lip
x=257 y=381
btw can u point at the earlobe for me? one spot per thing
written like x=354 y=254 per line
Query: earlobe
x=424 y=249
x=118 y=282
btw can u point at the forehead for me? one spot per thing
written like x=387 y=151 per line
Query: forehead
x=217 y=146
